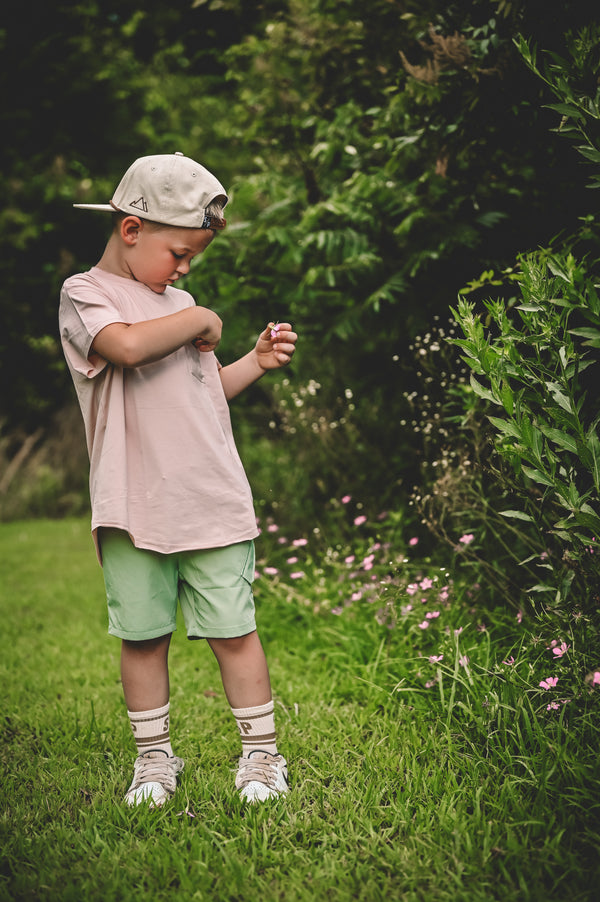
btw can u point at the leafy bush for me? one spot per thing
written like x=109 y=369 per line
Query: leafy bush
x=533 y=365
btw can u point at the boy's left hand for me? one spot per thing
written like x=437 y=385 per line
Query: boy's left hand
x=275 y=346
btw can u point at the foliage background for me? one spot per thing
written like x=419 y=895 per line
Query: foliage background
x=379 y=162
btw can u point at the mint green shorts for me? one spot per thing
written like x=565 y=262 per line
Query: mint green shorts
x=213 y=587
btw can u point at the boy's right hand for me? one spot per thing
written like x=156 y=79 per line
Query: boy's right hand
x=210 y=334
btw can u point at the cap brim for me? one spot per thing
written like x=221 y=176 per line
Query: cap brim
x=105 y=208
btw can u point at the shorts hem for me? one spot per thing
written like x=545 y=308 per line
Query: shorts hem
x=228 y=632
x=142 y=635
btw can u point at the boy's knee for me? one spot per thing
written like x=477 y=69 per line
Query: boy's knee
x=234 y=644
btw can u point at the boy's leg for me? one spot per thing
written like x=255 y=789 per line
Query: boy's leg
x=262 y=773
x=145 y=678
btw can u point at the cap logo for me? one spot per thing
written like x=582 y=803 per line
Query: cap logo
x=140 y=204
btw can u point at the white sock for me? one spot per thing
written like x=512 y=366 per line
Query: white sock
x=257 y=728
x=151 y=730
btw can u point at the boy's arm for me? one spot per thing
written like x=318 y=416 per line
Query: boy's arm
x=139 y=343
x=274 y=348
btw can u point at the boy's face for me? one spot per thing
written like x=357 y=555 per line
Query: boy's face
x=160 y=256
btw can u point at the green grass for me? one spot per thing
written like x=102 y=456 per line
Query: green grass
x=469 y=789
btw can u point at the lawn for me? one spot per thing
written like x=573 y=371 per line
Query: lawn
x=426 y=761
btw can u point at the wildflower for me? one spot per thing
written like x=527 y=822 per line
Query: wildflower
x=356 y=595
x=426 y=583
x=596 y=678
x=519 y=616
x=271 y=571
x=292 y=560
x=431 y=615
x=406 y=609
x=430 y=684
x=467 y=538
x=346 y=499
x=458 y=631
x=275 y=331
x=443 y=596
x=424 y=625
x=463 y=660
x=414 y=541
x=435 y=659
x=350 y=559
x=559 y=650
x=299 y=543
x=297 y=574
x=337 y=611
x=509 y=662
x=549 y=683
x=358 y=521
x=411 y=589
x=272 y=527
x=367 y=563
x=552 y=707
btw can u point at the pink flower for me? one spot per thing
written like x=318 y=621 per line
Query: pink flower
x=337 y=611
x=292 y=560
x=358 y=521
x=350 y=559
x=596 y=678
x=275 y=331
x=467 y=538
x=435 y=659
x=299 y=543
x=414 y=541
x=549 y=683
x=463 y=661
x=298 y=574
x=443 y=596
x=430 y=684
x=412 y=589
x=519 y=616
x=424 y=625
x=346 y=499
x=560 y=650
x=426 y=583
x=271 y=571
x=431 y=615
x=356 y=595
x=272 y=527
x=509 y=662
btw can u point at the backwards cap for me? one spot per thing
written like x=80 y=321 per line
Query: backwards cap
x=170 y=189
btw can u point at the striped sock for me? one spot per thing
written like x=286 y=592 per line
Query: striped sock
x=257 y=728
x=151 y=730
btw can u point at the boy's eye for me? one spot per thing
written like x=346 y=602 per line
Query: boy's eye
x=177 y=256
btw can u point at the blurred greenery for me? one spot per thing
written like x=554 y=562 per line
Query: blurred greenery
x=378 y=158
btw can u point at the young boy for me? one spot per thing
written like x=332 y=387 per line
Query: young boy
x=172 y=511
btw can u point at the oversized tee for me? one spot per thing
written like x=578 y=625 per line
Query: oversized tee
x=163 y=461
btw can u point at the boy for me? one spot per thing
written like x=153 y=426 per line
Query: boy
x=172 y=511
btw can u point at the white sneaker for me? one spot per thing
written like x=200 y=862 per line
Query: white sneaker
x=154 y=779
x=262 y=776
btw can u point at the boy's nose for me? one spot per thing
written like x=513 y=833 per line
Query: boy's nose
x=183 y=267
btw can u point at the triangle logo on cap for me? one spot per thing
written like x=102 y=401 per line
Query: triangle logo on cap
x=140 y=204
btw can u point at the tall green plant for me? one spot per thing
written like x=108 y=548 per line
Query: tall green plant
x=536 y=363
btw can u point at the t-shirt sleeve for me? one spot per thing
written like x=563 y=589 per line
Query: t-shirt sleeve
x=84 y=310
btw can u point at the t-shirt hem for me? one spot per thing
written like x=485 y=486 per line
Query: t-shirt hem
x=149 y=545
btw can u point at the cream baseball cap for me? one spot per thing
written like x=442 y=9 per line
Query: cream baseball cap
x=168 y=188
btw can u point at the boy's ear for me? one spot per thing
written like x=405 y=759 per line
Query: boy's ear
x=130 y=229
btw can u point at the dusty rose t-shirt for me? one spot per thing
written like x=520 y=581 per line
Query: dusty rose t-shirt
x=163 y=461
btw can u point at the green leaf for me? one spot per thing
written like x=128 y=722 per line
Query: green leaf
x=538 y=476
x=517 y=515
x=506 y=426
x=482 y=392
x=564 y=441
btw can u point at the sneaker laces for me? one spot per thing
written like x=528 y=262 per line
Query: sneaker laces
x=161 y=770
x=261 y=770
